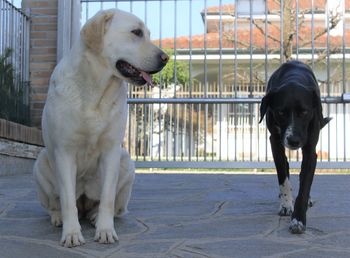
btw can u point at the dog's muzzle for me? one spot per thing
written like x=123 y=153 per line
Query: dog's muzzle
x=291 y=139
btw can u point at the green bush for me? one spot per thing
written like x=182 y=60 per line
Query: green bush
x=12 y=105
x=167 y=75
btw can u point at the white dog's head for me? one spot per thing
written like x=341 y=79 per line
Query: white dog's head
x=123 y=41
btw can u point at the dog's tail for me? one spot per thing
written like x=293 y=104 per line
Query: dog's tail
x=325 y=121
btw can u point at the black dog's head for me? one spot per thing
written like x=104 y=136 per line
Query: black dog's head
x=293 y=105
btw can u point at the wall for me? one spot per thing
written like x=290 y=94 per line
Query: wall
x=43 y=49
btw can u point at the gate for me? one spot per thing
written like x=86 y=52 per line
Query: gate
x=14 y=64
x=204 y=110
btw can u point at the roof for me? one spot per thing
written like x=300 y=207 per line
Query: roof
x=212 y=38
x=258 y=40
x=273 y=5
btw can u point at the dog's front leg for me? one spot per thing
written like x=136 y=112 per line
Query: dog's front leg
x=306 y=176
x=282 y=167
x=66 y=172
x=109 y=169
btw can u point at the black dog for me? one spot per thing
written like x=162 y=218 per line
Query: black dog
x=294 y=118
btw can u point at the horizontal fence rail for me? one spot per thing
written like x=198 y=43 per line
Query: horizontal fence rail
x=14 y=65
x=204 y=109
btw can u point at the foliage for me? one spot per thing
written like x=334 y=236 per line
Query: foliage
x=12 y=105
x=167 y=75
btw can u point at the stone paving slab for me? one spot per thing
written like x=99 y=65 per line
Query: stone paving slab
x=188 y=215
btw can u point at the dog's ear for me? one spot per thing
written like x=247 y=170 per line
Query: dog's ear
x=265 y=102
x=94 y=29
x=318 y=107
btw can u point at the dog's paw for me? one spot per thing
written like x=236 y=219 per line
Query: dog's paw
x=106 y=236
x=310 y=202
x=296 y=227
x=285 y=211
x=72 y=239
x=56 y=218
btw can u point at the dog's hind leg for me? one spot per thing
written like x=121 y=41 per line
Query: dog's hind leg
x=43 y=176
x=124 y=187
x=282 y=167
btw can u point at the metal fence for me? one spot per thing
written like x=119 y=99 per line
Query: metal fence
x=14 y=65
x=205 y=113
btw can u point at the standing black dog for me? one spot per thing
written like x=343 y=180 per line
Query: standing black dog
x=294 y=118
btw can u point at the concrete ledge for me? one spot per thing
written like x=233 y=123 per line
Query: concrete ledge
x=17 y=158
x=10 y=165
x=20 y=133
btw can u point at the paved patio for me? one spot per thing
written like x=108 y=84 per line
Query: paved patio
x=188 y=215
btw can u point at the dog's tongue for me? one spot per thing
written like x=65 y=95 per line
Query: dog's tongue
x=147 y=78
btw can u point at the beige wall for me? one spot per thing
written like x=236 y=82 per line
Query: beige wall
x=42 y=53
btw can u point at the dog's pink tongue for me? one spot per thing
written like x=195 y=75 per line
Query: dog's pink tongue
x=147 y=78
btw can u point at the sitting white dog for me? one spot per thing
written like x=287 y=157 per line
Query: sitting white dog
x=83 y=170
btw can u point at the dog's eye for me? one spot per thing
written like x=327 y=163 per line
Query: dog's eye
x=138 y=32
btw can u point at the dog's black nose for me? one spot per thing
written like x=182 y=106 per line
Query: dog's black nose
x=164 y=57
x=293 y=141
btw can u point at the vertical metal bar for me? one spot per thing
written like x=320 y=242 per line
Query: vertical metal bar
x=166 y=129
x=336 y=133
x=185 y=127
x=266 y=68
x=250 y=48
x=144 y=111
x=235 y=75
x=227 y=131
x=190 y=48
x=145 y=107
x=2 y=30
x=344 y=77
x=151 y=121
x=281 y=31
x=137 y=150
x=129 y=126
x=198 y=129
x=18 y=67
x=175 y=49
x=26 y=58
x=297 y=44
x=6 y=26
x=220 y=79
x=250 y=78
x=10 y=29
x=312 y=34
x=328 y=76
x=190 y=116
x=205 y=80
x=160 y=84
x=176 y=148
x=212 y=129
x=241 y=124
x=297 y=30
x=175 y=73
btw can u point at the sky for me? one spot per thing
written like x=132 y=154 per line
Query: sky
x=159 y=16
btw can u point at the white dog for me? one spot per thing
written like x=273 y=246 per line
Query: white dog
x=83 y=170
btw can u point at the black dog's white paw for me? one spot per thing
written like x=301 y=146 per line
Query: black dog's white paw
x=310 y=203
x=296 y=227
x=285 y=211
